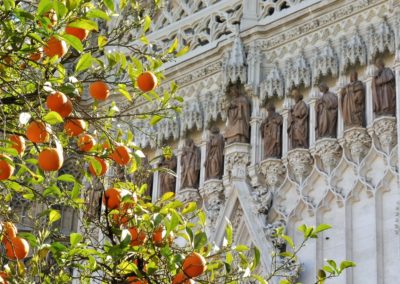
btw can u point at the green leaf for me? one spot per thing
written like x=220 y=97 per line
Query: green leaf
x=257 y=256
x=44 y=6
x=123 y=90
x=200 y=240
x=173 y=46
x=147 y=23
x=60 y=9
x=109 y=4
x=52 y=190
x=9 y=5
x=53 y=118
x=54 y=215
x=328 y=269
x=145 y=40
x=190 y=207
x=202 y=218
x=284 y=281
x=73 y=41
x=167 y=196
x=85 y=24
x=322 y=227
x=101 y=41
x=241 y=248
x=346 y=264
x=74 y=239
x=260 y=279
x=97 y=14
x=183 y=51
x=66 y=178
x=72 y=4
x=155 y=119
x=288 y=240
x=229 y=232
x=84 y=62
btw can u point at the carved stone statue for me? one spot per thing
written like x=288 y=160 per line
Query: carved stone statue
x=353 y=102
x=271 y=132
x=215 y=155
x=326 y=109
x=167 y=180
x=190 y=163
x=298 y=122
x=238 y=124
x=384 y=90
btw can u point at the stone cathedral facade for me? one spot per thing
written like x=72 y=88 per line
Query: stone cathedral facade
x=273 y=51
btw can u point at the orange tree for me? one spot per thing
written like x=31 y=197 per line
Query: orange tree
x=69 y=72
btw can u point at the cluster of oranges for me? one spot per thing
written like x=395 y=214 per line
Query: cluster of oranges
x=115 y=199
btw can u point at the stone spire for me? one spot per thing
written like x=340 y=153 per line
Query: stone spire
x=235 y=66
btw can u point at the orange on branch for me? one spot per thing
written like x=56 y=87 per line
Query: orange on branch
x=5 y=276
x=121 y=155
x=103 y=164
x=181 y=278
x=66 y=109
x=56 y=101
x=36 y=56
x=74 y=127
x=55 y=47
x=99 y=90
x=18 y=143
x=9 y=231
x=135 y=280
x=37 y=133
x=50 y=159
x=194 y=265
x=6 y=169
x=17 y=248
x=137 y=237
x=147 y=81
x=112 y=198
x=86 y=142
x=82 y=34
x=160 y=237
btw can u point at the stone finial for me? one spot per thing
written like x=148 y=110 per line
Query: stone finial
x=235 y=66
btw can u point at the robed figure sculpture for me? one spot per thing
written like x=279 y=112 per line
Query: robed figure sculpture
x=214 y=163
x=167 y=180
x=326 y=109
x=384 y=90
x=238 y=124
x=271 y=132
x=298 y=122
x=190 y=163
x=353 y=102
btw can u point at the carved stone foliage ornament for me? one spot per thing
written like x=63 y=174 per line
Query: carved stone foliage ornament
x=273 y=85
x=325 y=63
x=262 y=198
x=214 y=107
x=300 y=163
x=298 y=72
x=356 y=143
x=188 y=195
x=237 y=158
x=380 y=39
x=213 y=200
x=385 y=131
x=192 y=116
x=273 y=172
x=353 y=51
x=328 y=154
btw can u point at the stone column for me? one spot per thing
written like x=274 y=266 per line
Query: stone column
x=203 y=150
x=156 y=177
x=249 y=17
x=312 y=115
x=255 y=122
x=397 y=71
x=178 y=166
x=369 y=111
x=287 y=104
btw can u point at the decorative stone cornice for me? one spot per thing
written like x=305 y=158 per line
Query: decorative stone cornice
x=380 y=38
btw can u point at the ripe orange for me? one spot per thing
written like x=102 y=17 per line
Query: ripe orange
x=5 y=276
x=99 y=90
x=50 y=159
x=112 y=198
x=194 y=265
x=56 y=101
x=159 y=236
x=36 y=56
x=74 y=127
x=77 y=32
x=17 y=248
x=104 y=167
x=55 y=47
x=66 y=109
x=9 y=231
x=181 y=278
x=121 y=155
x=37 y=133
x=146 y=81
x=6 y=169
x=18 y=143
x=137 y=237
x=86 y=142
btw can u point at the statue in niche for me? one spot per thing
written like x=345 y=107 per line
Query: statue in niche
x=214 y=163
x=298 y=122
x=271 y=132
x=238 y=124
x=353 y=101
x=326 y=109
x=190 y=163
x=384 y=90
x=167 y=180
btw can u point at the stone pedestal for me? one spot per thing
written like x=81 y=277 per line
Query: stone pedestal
x=357 y=143
x=327 y=154
x=273 y=173
x=385 y=134
x=299 y=164
x=237 y=158
x=213 y=197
